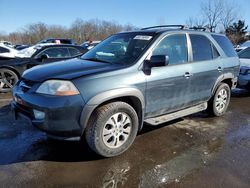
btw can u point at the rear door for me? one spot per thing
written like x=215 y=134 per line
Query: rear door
x=207 y=67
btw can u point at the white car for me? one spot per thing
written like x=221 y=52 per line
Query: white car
x=28 y=52
x=7 y=52
x=7 y=43
x=243 y=46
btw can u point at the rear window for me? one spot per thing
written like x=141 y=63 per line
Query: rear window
x=74 y=52
x=226 y=45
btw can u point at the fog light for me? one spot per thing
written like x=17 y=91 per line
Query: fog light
x=38 y=114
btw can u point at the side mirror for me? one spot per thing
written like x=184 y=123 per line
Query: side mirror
x=43 y=57
x=159 y=61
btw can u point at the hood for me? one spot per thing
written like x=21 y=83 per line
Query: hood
x=67 y=70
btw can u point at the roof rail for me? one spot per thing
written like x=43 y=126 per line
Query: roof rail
x=161 y=26
x=198 y=28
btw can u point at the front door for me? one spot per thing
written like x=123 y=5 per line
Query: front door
x=168 y=87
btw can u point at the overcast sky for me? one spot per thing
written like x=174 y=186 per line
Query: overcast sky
x=15 y=14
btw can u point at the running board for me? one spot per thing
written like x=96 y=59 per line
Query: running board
x=168 y=117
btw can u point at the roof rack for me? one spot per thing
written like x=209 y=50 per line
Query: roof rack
x=198 y=28
x=161 y=26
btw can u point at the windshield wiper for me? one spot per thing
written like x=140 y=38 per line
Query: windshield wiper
x=97 y=60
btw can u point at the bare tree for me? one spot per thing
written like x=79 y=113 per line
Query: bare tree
x=219 y=13
x=230 y=14
x=212 y=11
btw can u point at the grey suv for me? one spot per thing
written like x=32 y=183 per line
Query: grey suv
x=152 y=75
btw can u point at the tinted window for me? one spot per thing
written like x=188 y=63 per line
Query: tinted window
x=201 y=47
x=74 y=52
x=55 y=53
x=245 y=54
x=175 y=47
x=225 y=44
x=4 y=50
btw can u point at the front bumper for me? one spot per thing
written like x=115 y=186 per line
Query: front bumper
x=61 y=113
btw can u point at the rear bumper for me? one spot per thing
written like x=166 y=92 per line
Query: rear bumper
x=61 y=118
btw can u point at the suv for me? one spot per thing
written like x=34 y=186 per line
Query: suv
x=153 y=75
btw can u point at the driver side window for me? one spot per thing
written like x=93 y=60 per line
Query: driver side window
x=175 y=47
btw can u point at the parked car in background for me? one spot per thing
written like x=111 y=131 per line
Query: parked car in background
x=11 y=70
x=243 y=46
x=7 y=43
x=90 y=44
x=58 y=41
x=21 y=46
x=244 y=76
x=29 y=51
x=7 y=52
x=153 y=75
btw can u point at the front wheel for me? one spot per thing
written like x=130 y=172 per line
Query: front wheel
x=8 y=79
x=112 y=129
x=218 y=104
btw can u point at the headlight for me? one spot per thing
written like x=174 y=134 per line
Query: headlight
x=57 y=87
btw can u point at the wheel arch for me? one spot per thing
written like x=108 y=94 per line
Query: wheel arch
x=227 y=79
x=132 y=96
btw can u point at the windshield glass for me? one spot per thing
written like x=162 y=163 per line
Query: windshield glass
x=121 y=48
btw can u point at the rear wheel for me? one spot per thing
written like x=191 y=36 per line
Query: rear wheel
x=112 y=129
x=218 y=104
x=8 y=79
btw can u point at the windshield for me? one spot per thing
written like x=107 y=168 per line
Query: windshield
x=121 y=48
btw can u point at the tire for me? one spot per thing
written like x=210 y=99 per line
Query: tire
x=112 y=129
x=8 y=79
x=218 y=104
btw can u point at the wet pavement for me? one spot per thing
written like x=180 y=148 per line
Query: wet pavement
x=196 y=151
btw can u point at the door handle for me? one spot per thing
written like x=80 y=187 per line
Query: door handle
x=219 y=69
x=187 y=75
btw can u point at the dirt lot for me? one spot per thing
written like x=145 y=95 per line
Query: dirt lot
x=196 y=151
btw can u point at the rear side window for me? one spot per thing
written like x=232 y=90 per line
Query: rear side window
x=201 y=47
x=4 y=50
x=226 y=45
